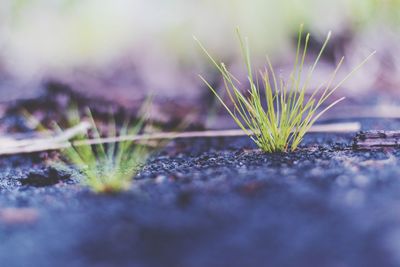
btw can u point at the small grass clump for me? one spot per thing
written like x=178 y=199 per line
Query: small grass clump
x=277 y=121
x=110 y=167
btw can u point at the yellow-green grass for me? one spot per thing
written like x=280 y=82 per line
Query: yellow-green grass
x=277 y=120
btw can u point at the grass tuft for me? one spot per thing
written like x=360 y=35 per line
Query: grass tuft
x=277 y=121
x=107 y=168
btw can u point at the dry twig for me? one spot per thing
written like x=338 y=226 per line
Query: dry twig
x=9 y=146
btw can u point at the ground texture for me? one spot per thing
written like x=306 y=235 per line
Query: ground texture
x=212 y=202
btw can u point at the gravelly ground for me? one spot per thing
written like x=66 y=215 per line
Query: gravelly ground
x=212 y=202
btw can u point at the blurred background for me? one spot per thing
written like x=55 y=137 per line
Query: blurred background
x=121 y=50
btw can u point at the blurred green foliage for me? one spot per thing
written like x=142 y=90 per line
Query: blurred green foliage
x=68 y=33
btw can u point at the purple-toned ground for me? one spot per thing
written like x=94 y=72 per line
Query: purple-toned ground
x=211 y=202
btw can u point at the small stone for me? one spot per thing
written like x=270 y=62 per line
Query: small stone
x=354 y=197
x=361 y=180
x=160 y=179
x=18 y=215
x=342 y=180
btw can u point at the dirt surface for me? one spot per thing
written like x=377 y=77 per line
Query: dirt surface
x=211 y=202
